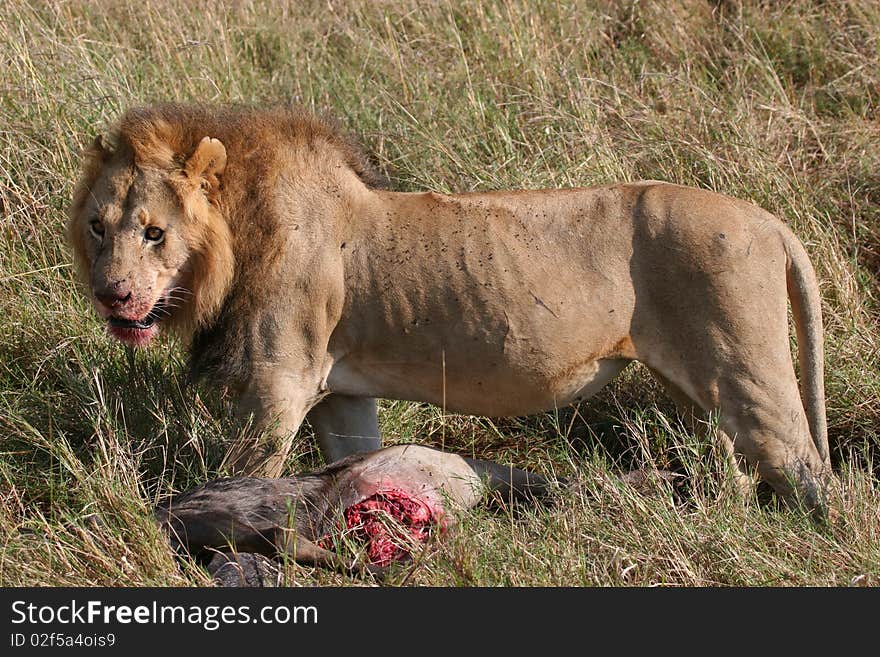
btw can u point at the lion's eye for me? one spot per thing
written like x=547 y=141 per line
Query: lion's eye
x=97 y=227
x=154 y=234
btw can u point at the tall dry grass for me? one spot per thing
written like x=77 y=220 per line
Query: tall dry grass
x=773 y=102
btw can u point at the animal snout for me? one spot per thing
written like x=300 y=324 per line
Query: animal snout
x=113 y=296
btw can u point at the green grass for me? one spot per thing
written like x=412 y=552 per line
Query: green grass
x=772 y=103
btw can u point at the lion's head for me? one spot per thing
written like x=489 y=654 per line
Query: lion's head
x=148 y=235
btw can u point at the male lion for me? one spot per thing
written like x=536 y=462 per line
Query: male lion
x=264 y=237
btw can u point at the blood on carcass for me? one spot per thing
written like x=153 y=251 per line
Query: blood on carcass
x=389 y=524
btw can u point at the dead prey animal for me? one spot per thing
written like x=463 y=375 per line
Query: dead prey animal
x=389 y=501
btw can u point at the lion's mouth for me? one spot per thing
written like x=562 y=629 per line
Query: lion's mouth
x=139 y=324
x=137 y=332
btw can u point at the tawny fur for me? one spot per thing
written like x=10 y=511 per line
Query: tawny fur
x=161 y=139
x=315 y=291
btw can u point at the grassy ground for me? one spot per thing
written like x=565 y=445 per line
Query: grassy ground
x=773 y=102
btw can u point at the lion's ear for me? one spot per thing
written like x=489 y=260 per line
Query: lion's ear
x=99 y=150
x=205 y=166
x=98 y=146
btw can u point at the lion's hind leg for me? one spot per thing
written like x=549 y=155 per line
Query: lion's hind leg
x=771 y=431
x=695 y=417
x=761 y=411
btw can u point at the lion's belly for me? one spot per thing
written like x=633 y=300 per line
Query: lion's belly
x=490 y=389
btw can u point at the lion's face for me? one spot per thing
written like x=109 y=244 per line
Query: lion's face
x=146 y=239
x=131 y=233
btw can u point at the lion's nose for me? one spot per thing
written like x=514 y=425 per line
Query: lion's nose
x=113 y=297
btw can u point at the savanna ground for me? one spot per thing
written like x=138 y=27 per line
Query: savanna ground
x=772 y=102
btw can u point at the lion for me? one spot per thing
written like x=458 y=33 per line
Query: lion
x=266 y=240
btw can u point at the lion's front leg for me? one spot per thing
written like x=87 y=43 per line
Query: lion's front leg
x=345 y=425
x=276 y=401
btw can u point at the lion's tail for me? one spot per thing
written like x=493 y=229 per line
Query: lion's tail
x=803 y=292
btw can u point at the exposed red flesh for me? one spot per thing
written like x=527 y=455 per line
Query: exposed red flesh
x=372 y=521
